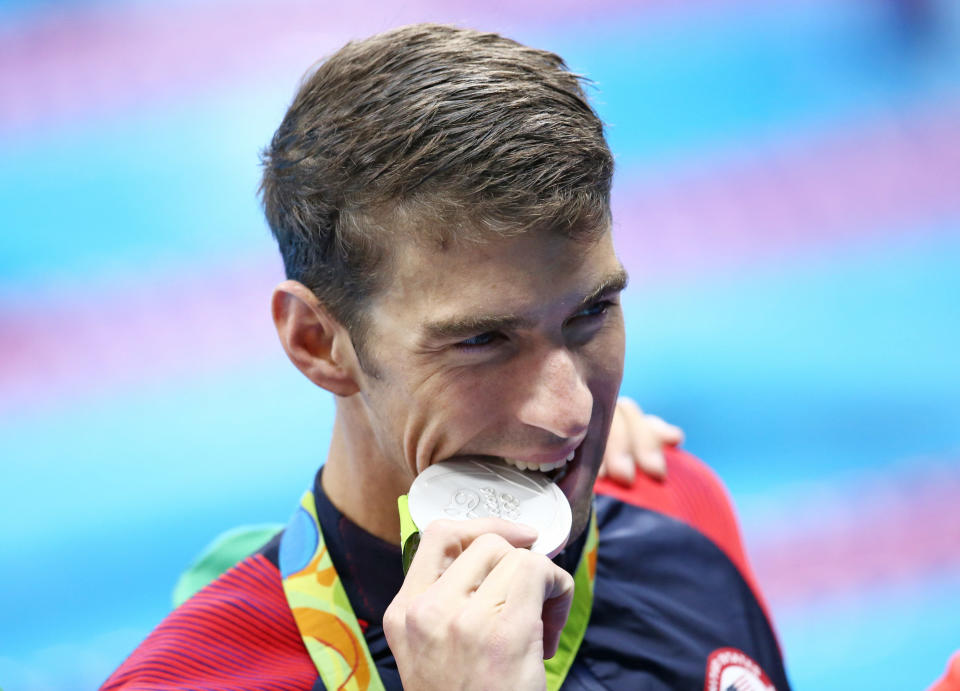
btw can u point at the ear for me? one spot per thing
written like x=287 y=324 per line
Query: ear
x=314 y=340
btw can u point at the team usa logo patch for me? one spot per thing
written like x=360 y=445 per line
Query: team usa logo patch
x=729 y=669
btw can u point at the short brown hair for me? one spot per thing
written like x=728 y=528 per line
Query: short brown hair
x=428 y=128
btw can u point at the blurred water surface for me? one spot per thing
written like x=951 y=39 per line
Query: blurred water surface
x=786 y=202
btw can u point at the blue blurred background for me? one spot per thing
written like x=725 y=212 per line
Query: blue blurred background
x=787 y=202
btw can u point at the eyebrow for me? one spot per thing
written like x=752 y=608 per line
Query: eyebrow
x=614 y=283
x=464 y=327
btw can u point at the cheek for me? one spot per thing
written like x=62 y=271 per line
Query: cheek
x=604 y=359
x=468 y=400
x=446 y=414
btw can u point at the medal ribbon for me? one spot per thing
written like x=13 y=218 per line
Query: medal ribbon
x=329 y=627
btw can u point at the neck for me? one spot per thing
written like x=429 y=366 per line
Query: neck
x=358 y=481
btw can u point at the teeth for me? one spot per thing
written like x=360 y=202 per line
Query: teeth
x=542 y=467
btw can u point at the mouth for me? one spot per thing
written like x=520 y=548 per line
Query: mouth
x=553 y=470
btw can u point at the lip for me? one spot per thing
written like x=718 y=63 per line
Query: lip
x=546 y=458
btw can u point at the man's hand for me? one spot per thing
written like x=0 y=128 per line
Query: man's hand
x=637 y=439
x=477 y=610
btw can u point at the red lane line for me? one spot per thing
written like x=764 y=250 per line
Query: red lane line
x=884 y=178
x=867 y=178
x=154 y=330
x=897 y=531
x=69 y=62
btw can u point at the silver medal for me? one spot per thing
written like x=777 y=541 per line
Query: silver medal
x=465 y=489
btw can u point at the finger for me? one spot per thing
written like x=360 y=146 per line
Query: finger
x=529 y=587
x=558 y=597
x=472 y=567
x=617 y=462
x=619 y=467
x=652 y=462
x=646 y=444
x=667 y=433
x=650 y=457
x=443 y=541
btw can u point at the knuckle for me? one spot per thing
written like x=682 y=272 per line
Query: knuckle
x=536 y=560
x=465 y=626
x=393 y=621
x=490 y=542
x=539 y=565
x=392 y=611
x=441 y=529
x=527 y=562
x=445 y=535
x=423 y=616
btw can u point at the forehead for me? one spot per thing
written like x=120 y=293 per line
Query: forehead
x=515 y=274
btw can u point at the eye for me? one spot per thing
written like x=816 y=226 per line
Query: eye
x=595 y=310
x=478 y=341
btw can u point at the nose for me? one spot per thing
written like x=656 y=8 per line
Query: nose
x=558 y=399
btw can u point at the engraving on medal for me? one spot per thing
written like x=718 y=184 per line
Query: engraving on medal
x=468 y=489
x=500 y=505
x=497 y=504
x=462 y=504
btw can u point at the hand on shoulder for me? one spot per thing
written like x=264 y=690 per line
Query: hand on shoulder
x=636 y=440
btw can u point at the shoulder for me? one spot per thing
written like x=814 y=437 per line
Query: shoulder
x=951 y=679
x=237 y=632
x=693 y=494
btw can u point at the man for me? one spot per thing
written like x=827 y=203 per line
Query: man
x=441 y=199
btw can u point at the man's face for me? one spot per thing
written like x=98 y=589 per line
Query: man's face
x=512 y=348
